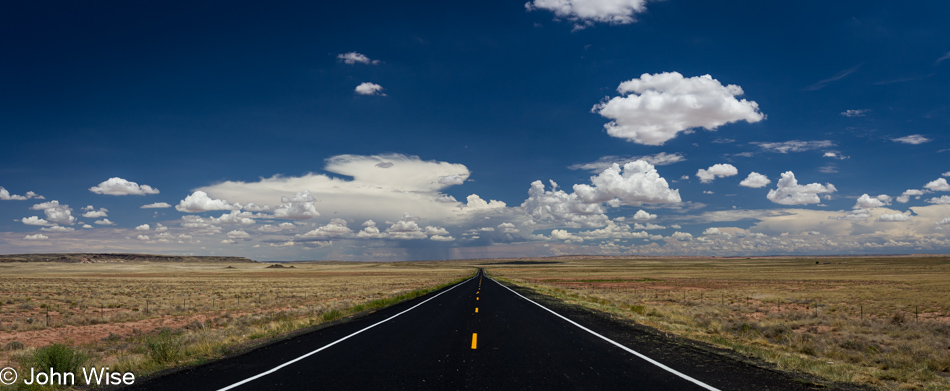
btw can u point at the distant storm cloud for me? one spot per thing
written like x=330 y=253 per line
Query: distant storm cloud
x=118 y=187
x=655 y=108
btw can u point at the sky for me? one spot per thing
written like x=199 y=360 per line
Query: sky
x=386 y=131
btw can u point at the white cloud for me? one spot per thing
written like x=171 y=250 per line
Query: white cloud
x=276 y=228
x=587 y=12
x=943 y=200
x=794 y=145
x=92 y=213
x=855 y=113
x=755 y=180
x=58 y=228
x=659 y=159
x=560 y=234
x=643 y=215
x=299 y=207
x=368 y=88
x=369 y=230
x=913 y=139
x=441 y=238
x=557 y=206
x=835 y=155
x=157 y=205
x=409 y=185
x=946 y=174
x=896 y=217
x=143 y=238
x=143 y=227
x=405 y=229
x=160 y=228
x=56 y=213
x=716 y=170
x=655 y=108
x=34 y=220
x=940 y=184
x=235 y=217
x=6 y=196
x=789 y=192
x=638 y=183
x=104 y=222
x=336 y=228
x=354 y=57
x=681 y=236
x=237 y=234
x=199 y=201
x=451 y=180
x=477 y=203
x=866 y=202
x=87 y=226
x=712 y=231
x=227 y=241
x=905 y=197
x=36 y=237
x=945 y=221
x=118 y=187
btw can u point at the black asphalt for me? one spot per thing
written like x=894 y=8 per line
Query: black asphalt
x=520 y=346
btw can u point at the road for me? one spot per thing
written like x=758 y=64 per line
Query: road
x=477 y=335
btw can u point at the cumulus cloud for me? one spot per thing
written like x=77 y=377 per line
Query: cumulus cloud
x=637 y=183
x=866 y=202
x=157 y=205
x=368 y=88
x=716 y=171
x=855 y=113
x=557 y=206
x=34 y=220
x=643 y=215
x=352 y=58
x=36 y=237
x=913 y=139
x=755 y=180
x=793 y=145
x=276 y=228
x=336 y=228
x=940 y=184
x=6 y=196
x=117 y=186
x=655 y=108
x=56 y=213
x=905 y=197
x=237 y=234
x=199 y=201
x=104 y=222
x=300 y=206
x=658 y=159
x=896 y=217
x=681 y=236
x=235 y=217
x=943 y=200
x=57 y=228
x=405 y=229
x=143 y=238
x=476 y=203
x=587 y=12
x=789 y=192
x=143 y=227
x=92 y=213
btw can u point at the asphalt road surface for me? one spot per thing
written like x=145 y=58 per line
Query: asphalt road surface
x=477 y=335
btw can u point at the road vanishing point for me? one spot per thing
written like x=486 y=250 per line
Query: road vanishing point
x=476 y=335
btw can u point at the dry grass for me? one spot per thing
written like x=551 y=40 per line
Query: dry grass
x=878 y=321
x=115 y=313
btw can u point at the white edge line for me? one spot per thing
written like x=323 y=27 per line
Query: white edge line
x=631 y=351
x=275 y=369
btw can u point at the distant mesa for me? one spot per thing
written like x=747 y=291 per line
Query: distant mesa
x=279 y=266
x=117 y=258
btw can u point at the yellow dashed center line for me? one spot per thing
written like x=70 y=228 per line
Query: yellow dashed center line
x=476 y=310
x=474 y=340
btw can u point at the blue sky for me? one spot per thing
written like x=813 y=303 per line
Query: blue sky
x=386 y=131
